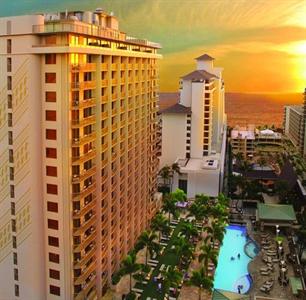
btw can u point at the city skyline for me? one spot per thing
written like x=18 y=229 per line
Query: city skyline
x=269 y=48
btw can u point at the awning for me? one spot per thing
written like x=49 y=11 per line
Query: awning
x=296 y=284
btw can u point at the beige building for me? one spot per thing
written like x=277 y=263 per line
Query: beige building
x=194 y=130
x=248 y=141
x=295 y=125
x=78 y=147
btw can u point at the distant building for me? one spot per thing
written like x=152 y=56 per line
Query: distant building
x=194 y=131
x=295 y=124
x=249 y=140
x=78 y=152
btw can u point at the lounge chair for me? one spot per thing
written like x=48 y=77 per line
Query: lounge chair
x=265 y=273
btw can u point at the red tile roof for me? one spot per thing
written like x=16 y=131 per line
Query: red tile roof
x=205 y=57
x=199 y=75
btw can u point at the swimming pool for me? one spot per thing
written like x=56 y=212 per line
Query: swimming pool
x=232 y=271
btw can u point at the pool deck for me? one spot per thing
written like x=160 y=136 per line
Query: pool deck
x=277 y=292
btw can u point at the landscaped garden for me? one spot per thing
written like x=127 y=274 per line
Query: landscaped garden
x=178 y=239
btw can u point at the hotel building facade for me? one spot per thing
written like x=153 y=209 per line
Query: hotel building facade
x=295 y=125
x=194 y=131
x=78 y=152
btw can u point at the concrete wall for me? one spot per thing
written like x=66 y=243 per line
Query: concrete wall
x=173 y=138
x=197 y=120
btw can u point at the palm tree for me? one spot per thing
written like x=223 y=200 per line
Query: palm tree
x=129 y=266
x=165 y=174
x=189 y=230
x=183 y=249
x=146 y=239
x=169 y=206
x=200 y=280
x=262 y=162
x=208 y=253
x=172 y=278
x=179 y=195
x=159 y=223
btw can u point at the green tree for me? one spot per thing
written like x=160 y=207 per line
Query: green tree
x=129 y=266
x=184 y=250
x=208 y=253
x=197 y=211
x=147 y=240
x=172 y=278
x=200 y=280
x=189 y=230
x=159 y=223
x=169 y=206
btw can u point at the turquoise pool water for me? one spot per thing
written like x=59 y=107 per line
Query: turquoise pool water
x=233 y=273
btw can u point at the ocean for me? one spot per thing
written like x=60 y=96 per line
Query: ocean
x=243 y=109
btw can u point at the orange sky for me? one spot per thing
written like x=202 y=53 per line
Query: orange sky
x=260 y=43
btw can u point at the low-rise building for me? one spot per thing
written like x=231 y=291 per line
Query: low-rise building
x=249 y=140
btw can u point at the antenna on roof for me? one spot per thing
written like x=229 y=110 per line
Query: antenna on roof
x=66 y=13
x=111 y=14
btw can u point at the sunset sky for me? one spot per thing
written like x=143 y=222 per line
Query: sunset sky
x=261 y=43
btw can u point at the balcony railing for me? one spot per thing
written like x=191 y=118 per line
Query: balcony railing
x=77 y=104
x=84 y=121
x=87 y=67
x=83 y=84
x=84 y=139
x=86 y=156
x=85 y=174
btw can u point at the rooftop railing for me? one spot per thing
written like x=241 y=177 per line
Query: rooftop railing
x=71 y=26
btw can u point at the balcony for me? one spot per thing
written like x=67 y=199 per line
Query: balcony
x=84 y=209
x=84 y=258
x=114 y=81
x=114 y=96
x=87 y=67
x=86 y=240
x=91 y=154
x=104 y=83
x=104 y=99
x=104 y=130
x=104 y=147
x=84 y=192
x=85 y=174
x=114 y=111
x=86 y=273
x=104 y=179
x=83 y=122
x=104 y=67
x=122 y=66
x=85 y=225
x=85 y=85
x=104 y=115
x=86 y=138
x=76 y=104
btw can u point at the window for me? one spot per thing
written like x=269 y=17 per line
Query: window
x=50 y=115
x=50 y=134
x=53 y=241
x=10 y=138
x=54 y=258
x=11 y=173
x=16 y=274
x=13 y=225
x=50 y=96
x=51 y=171
x=15 y=260
x=16 y=290
x=55 y=290
x=51 y=189
x=10 y=120
x=14 y=242
x=9 y=64
x=54 y=274
x=9 y=46
x=52 y=224
x=9 y=101
x=51 y=153
x=9 y=83
x=13 y=208
x=50 y=59
x=50 y=78
x=11 y=156
x=52 y=206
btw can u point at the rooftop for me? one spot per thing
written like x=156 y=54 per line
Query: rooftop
x=297 y=108
x=277 y=212
x=243 y=134
x=199 y=75
x=177 y=109
x=205 y=57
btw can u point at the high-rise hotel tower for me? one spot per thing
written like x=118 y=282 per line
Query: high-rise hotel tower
x=78 y=149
